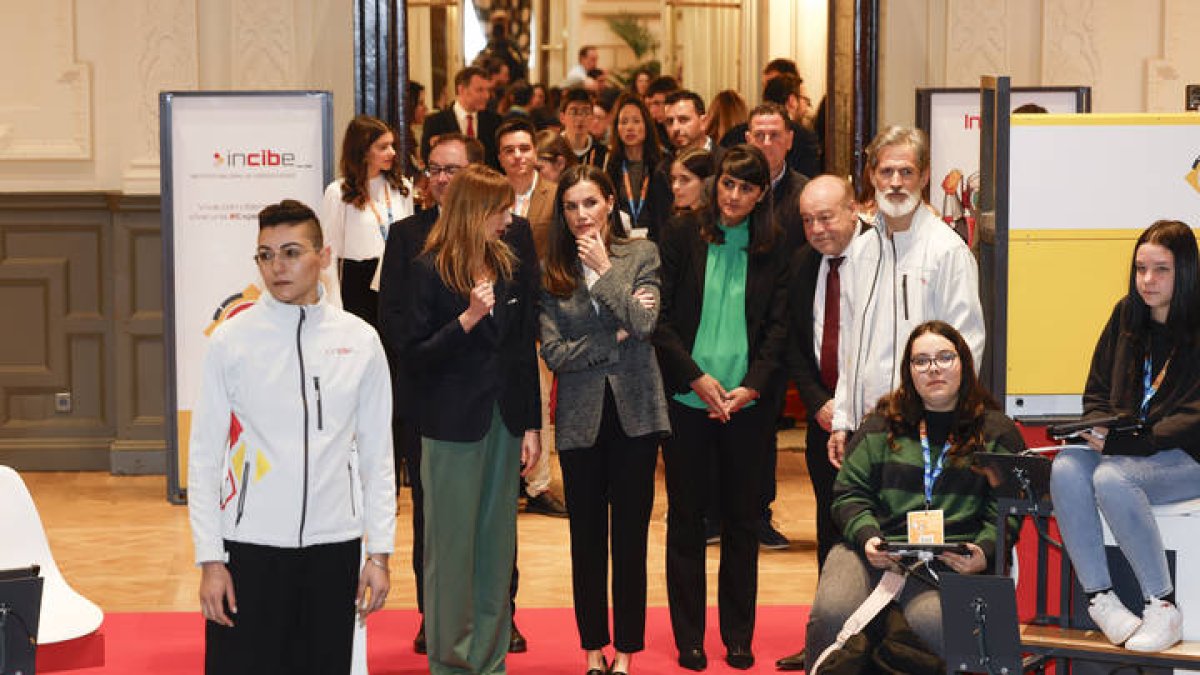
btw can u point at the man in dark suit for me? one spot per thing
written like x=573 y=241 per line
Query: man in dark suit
x=768 y=131
x=828 y=211
x=804 y=153
x=450 y=154
x=468 y=115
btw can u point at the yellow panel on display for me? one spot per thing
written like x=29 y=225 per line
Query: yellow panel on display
x=1062 y=285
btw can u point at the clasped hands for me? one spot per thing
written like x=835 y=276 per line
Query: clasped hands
x=721 y=404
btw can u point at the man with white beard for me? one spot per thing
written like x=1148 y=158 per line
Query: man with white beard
x=909 y=269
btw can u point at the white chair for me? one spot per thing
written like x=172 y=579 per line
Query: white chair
x=65 y=614
x=1178 y=524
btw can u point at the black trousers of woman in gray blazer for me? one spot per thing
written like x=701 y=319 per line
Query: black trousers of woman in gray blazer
x=611 y=413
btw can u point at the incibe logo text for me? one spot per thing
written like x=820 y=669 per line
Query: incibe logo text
x=254 y=159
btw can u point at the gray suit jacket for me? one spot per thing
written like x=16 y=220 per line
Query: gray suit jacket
x=579 y=343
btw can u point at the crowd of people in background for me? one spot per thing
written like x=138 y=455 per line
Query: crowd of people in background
x=603 y=271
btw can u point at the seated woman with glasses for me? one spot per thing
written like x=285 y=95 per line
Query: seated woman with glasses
x=1146 y=366
x=909 y=465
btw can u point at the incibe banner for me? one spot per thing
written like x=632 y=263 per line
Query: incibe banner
x=225 y=155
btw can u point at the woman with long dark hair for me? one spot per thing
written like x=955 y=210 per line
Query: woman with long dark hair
x=358 y=211
x=634 y=155
x=1146 y=367
x=599 y=307
x=912 y=457
x=470 y=335
x=688 y=172
x=719 y=341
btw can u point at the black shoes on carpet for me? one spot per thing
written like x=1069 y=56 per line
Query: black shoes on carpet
x=793 y=662
x=546 y=504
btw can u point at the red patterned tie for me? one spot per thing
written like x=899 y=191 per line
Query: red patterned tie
x=833 y=319
x=470 y=126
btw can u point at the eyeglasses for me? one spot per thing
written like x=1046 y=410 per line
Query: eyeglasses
x=579 y=112
x=288 y=254
x=923 y=362
x=433 y=170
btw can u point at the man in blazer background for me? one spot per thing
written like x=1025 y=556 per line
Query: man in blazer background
x=827 y=209
x=468 y=115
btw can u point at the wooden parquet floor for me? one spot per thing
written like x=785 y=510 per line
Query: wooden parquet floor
x=121 y=544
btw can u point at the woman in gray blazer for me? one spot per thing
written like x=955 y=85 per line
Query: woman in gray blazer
x=599 y=308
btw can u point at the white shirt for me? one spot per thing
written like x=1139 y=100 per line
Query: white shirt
x=460 y=114
x=521 y=204
x=358 y=234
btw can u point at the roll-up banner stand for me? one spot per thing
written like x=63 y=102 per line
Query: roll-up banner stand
x=951 y=117
x=225 y=155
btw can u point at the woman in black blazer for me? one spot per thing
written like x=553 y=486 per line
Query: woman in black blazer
x=719 y=340
x=470 y=342
x=599 y=308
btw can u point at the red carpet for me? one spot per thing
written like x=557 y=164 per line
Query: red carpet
x=169 y=643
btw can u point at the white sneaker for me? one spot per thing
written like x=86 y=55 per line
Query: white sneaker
x=1162 y=627
x=1117 y=622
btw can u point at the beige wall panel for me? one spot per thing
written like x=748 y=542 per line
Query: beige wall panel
x=45 y=91
x=976 y=40
x=1180 y=65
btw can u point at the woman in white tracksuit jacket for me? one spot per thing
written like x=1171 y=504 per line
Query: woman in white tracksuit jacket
x=290 y=465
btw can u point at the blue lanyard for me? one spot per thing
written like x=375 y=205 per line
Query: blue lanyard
x=932 y=472
x=1150 y=384
x=635 y=206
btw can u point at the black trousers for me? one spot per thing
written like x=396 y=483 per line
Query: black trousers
x=739 y=446
x=295 y=611
x=407 y=440
x=407 y=447
x=357 y=296
x=615 y=476
x=822 y=475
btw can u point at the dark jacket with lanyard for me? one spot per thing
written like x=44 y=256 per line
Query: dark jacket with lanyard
x=879 y=485
x=1119 y=382
x=645 y=195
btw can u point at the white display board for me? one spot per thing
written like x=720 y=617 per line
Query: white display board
x=1103 y=172
x=951 y=117
x=225 y=155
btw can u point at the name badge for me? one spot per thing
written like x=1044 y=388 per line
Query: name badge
x=926 y=527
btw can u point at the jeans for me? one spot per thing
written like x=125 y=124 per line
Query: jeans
x=1124 y=488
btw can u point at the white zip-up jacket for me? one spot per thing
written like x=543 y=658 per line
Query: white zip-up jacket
x=890 y=286
x=309 y=458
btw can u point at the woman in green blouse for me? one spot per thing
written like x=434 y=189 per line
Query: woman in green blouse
x=720 y=332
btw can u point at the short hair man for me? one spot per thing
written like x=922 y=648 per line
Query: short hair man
x=780 y=66
x=577 y=76
x=468 y=115
x=769 y=132
x=450 y=154
x=768 y=129
x=291 y=427
x=786 y=90
x=575 y=113
x=910 y=268
x=685 y=121
x=656 y=100
x=827 y=207
x=534 y=196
